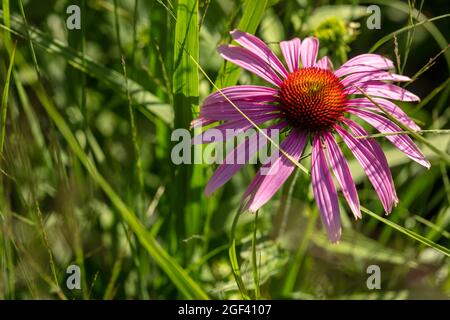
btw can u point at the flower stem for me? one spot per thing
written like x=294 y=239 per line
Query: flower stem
x=254 y=262
x=233 y=257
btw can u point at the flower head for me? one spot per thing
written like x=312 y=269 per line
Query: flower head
x=310 y=99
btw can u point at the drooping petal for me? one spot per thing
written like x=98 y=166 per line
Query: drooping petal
x=374 y=167
x=291 y=52
x=389 y=106
x=249 y=147
x=250 y=61
x=252 y=100
x=279 y=168
x=324 y=63
x=249 y=99
x=402 y=141
x=372 y=144
x=364 y=63
x=258 y=47
x=226 y=111
x=380 y=75
x=309 y=50
x=342 y=172
x=325 y=192
x=231 y=129
x=384 y=90
x=242 y=93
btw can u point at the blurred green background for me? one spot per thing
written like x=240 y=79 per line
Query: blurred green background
x=87 y=180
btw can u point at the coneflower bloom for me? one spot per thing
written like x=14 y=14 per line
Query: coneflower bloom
x=312 y=102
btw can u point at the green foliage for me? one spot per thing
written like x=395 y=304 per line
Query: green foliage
x=86 y=176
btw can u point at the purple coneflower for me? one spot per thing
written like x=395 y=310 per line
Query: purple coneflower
x=313 y=100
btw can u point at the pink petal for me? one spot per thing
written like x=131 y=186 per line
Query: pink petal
x=251 y=62
x=402 y=141
x=279 y=170
x=310 y=47
x=325 y=192
x=364 y=62
x=258 y=47
x=291 y=52
x=231 y=165
x=232 y=128
x=389 y=106
x=342 y=172
x=373 y=145
x=384 y=90
x=226 y=111
x=242 y=93
x=359 y=77
x=252 y=100
x=373 y=165
x=324 y=63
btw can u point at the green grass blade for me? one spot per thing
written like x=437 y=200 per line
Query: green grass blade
x=117 y=26
x=411 y=33
x=134 y=133
x=431 y=95
x=390 y=36
x=6 y=15
x=408 y=232
x=30 y=43
x=254 y=259
x=235 y=267
x=432 y=29
x=180 y=278
x=185 y=75
x=111 y=288
x=292 y=272
x=253 y=12
x=185 y=87
x=5 y=95
x=435 y=229
x=140 y=95
x=49 y=250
